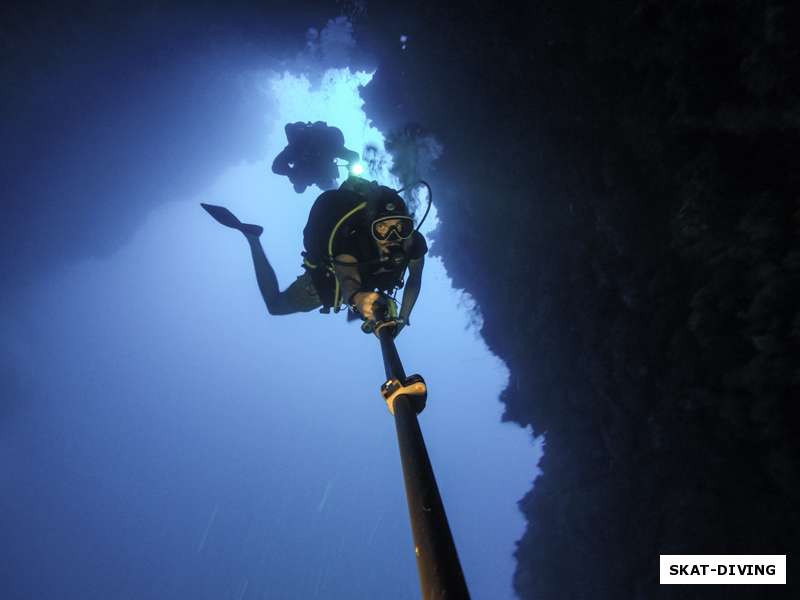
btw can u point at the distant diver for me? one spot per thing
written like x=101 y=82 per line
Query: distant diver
x=359 y=241
x=309 y=158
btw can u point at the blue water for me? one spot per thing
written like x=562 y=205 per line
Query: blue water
x=174 y=440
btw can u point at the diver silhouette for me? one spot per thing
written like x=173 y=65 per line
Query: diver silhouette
x=359 y=241
x=308 y=159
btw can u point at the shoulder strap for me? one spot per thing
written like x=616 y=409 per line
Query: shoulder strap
x=337 y=300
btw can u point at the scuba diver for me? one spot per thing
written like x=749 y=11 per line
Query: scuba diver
x=359 y=240
x=308 y=159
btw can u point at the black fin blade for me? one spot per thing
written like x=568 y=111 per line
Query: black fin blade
x=222 y=215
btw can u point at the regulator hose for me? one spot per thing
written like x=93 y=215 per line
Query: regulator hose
x=430 y=198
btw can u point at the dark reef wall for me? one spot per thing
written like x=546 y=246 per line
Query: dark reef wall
x=93 y=88
x=620 y=192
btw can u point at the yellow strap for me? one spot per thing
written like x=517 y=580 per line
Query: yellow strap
x=339 y=224
x=383 y=324
x=350 y=213
x=336 y=299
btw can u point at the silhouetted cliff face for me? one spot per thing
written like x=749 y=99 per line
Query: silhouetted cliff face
x=619 y=191
x=93 y=87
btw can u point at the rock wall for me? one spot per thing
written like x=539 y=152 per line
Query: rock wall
x=619 y=191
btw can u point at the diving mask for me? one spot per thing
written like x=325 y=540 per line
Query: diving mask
x=392 y=228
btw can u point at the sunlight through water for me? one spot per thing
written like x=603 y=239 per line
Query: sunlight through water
x=230 y=453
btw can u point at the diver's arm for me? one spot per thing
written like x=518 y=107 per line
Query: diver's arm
x=345 y=154
x=412 y=288
x=363 y=301
x=347 y=275
x=280 y=166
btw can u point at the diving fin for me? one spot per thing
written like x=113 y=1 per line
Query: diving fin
x=225 y=217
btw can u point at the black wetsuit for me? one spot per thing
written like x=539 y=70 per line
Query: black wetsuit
x=353 y=238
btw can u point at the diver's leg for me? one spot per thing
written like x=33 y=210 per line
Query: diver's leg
x=298 y=297
x=265 y=275
x=301 y=296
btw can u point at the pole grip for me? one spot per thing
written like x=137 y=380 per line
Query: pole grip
x=440 y=574
x=439 y=568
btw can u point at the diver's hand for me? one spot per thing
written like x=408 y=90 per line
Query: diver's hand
x=367 y=303
x=399 y=324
